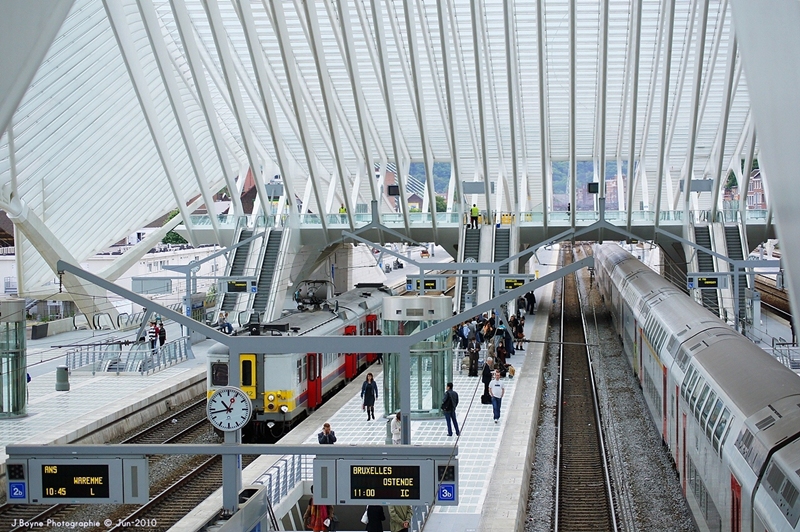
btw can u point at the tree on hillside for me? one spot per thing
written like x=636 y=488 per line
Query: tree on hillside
x=731 y=181
x=172 y=237
x=441 y=204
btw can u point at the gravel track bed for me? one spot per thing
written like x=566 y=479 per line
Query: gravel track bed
x=647 y=490
x=162 y=473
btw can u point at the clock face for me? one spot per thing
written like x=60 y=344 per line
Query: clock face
x=229 y=408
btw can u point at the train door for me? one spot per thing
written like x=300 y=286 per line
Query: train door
x=677 y=429
x=314 y=372
x=350 y=359
x=247 y=374
x=683 y=462
x=736 y=505
x=370 y=327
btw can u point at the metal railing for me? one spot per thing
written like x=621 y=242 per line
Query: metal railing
x=111 y=356
x=786 y=352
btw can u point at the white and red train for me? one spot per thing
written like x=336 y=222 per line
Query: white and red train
x=285 y=387
x=728 y=411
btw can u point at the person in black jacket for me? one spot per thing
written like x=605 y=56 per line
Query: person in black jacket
x=369 y=393
x=327 y=436
x=486 y=376
x=375 y=518
x=449 y=404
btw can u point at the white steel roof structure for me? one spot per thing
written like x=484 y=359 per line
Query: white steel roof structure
x=115 y=112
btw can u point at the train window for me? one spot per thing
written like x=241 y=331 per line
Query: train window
x=712 y=420
x=219 y=374
x=723 y=422
x=789 y=493
x=701 y=399
x=712 y=397
x=300 y=370
x=247 y=373
x=686 y=379
x=695 y=391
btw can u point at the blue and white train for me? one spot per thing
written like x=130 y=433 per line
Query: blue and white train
x=728 y=411
x=285 y=387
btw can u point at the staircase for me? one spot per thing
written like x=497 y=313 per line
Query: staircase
x=237 y=268
x=734 y=246
x=472 y=246
x=705 y=264
x=267 y=271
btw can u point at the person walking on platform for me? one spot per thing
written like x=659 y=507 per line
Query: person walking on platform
x=327 y=436
x=449 y=404
x=162 y=334
x=497 y=389
x=315 y=515
x=369 y=393
x=375 y=518
x=473 y=216
x=530 y=297
x=399 y=518
x=152 y=336
x=486 y=377
x=397 y=429
x=473 y=350
x=379 y=356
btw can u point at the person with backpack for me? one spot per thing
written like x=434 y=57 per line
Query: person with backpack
x=449 y=404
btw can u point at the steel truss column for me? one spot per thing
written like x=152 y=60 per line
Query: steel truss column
x=380 y=39
x=153 y=30
x=723 y=127
x=427 y=156
x=358 y=95
x=511 y=64
x=194 y=61
x=601 y=134
x=543 y=130
x=228 y=70
x=476 y=12
x=455 y=157
x=669 y=9
x=279 y=27
x=573 y=156
x=693 y=124
x=119 y=24
x=323 y=74
x=634 y=108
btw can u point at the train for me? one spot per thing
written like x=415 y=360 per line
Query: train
x=284 y=388
x=728 y=412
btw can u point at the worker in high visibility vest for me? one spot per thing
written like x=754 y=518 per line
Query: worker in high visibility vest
x=342 y=213
x=473 y=216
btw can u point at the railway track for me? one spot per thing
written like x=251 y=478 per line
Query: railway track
x=583 y=493
x=182 y=426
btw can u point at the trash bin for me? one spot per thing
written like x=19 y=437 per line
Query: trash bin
x=62 y=379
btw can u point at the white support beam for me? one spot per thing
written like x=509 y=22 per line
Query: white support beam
x=455 y=153
x=194 y=61
x=669 y=9
x=161 y=55
x=719 y=180
x=257 y=59
x=637 y=39
x=358 y=94
x=462 y=76
x=220 y=37
x=693 y=121
x=744 y=183
x=315 y=40
x=476 y=13
x=511 y=62
x=543 y=118
x=419 y=96
x=279 y=27
x=573 y=82
x=603 y=89
x=383 y=58
x=119 y=24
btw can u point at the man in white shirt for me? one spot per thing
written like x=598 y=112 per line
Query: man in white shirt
x=496 y=389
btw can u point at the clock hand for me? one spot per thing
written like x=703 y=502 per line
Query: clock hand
x=223 y=410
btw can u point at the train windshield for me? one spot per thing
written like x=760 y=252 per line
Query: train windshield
x=219 y=374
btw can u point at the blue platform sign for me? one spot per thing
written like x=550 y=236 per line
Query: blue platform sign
x=16 y=490
x=253 y=289
x=447 y=492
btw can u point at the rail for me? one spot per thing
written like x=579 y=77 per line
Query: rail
x=139 y=358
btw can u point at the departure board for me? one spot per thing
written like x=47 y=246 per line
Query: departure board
x=380 y=482
x=75 y=481
x=511 y=284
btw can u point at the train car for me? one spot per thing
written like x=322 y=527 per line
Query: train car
x=284 y=388
x=728 y=411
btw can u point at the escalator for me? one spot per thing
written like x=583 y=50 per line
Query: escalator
x=733 y=243
x=267 y=273
x=472 y=246
x=705 y=264
x=237 y=269
x=502 y=247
